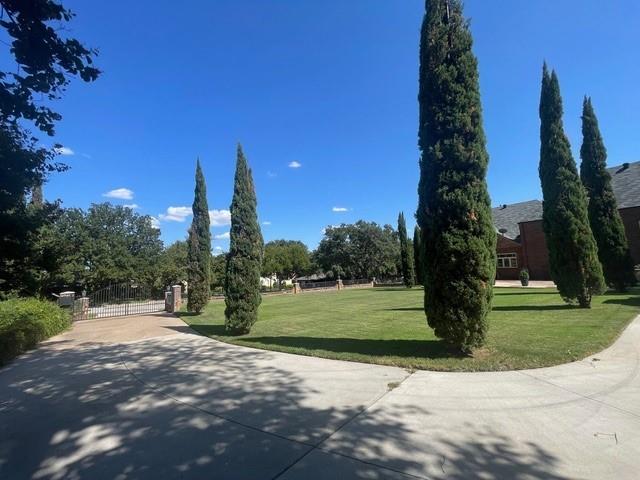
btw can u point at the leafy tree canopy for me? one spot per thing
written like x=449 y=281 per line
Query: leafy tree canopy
x=46 y=61
x=359 y=250
x=286 y=259
x=106 y=245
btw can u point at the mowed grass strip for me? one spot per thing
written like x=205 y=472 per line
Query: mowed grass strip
x=528 y=328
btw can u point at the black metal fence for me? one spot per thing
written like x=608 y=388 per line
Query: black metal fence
x=356 y=281
x=119 y=300
x=312 y=285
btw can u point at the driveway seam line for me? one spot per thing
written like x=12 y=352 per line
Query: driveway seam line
x=311 y=446
x=317 y=446
x=208 y=412
x=586 y=397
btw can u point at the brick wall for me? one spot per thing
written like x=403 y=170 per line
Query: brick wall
x=535 y=256
x=631 y=219
x=506 y=245
x=534 y=250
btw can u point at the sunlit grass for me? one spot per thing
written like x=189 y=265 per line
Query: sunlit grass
x=528 y=328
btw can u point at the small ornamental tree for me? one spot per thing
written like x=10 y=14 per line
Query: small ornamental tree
x=604 y=218
x=199 y=248
x=454 y=210
x=244 y=261
x=417 y=255
x=573 y=254
x=406 y=253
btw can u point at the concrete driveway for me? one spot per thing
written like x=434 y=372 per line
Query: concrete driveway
x=93 y=404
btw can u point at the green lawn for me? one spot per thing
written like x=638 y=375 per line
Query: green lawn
x=528 y=328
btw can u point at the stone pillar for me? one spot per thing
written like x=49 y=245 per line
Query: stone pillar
x=176 y=293
x=168 y=301
x=340 y=285
x=296 y=288
x=83 y=309
x=173 y=299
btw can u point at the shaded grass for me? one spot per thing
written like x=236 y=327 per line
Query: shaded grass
x=528 y=328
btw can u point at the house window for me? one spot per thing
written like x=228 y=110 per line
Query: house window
x=507 y=260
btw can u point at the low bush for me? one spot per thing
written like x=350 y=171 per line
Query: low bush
x=26 y=321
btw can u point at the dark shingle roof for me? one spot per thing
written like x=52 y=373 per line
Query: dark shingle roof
x=625 y=180
x=508 y=217
x=626 y=184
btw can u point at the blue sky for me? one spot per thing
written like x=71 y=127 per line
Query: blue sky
x=331 y=86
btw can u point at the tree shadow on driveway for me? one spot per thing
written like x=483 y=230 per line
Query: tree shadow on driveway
x=374 y=347
x=187 y=407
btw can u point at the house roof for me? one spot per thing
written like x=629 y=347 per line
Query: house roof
x=507 y=217
x=625 y=180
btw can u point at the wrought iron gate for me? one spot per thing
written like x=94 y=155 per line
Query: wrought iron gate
x=119 y=300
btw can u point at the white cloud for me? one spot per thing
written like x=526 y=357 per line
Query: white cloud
x=220 y=218
x=155 y=223
x=294 y=164
x=271 y=174
x=120 y=193
x=222 y=236
x=339 y=209
x=175 y=214
x=132 y=206
x=64 y=151
x=217 y=248
x=266 y=222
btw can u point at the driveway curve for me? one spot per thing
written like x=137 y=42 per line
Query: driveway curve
x=149 y=398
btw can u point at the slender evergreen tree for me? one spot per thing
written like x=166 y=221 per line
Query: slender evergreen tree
x=199 y=248
x=244 y=261
x=573 y=254
x=454 y=211
x=417 y=255
x=406 y=253
x=604 y=218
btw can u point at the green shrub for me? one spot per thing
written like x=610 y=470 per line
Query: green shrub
x=524 y=277
x=26 y=321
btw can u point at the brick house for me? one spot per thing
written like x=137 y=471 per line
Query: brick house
x=521 y=242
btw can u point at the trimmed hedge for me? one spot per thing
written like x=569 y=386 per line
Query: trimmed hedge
x=26 y=321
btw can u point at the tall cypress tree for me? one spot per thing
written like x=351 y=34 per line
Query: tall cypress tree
x=199 y=247
x=406 y=254
x=573 y=254
x=417 y=255
x=604 y=218
x=244 y=262
x=454 y=211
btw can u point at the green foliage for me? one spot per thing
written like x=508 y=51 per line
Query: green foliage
x=28 y=253
x=454 y=209
x=417 y=255
x=108 y=244
x=25 y=322
x=359 y=250
x=21 y=223
x=244 y=261
x=573 y=254
x=218 y=270
x=604 y=218
x=173 y=265
x=286 y=259
x=44 y=62
x=524 y=277
x=199 y=248
x=406 y=253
